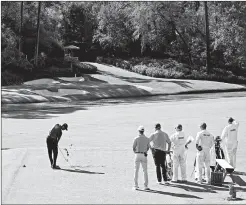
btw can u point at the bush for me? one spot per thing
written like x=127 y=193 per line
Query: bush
x=141 y=69
x=57 y=62
x=84 y=68
x=15 y=61
x=169 y=68
x=9 y=78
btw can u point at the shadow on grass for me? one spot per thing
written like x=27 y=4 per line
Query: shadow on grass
x=43 y=110
x=171 y=194
x=236 y=199
x=40 y=113
x=238 y=180
x=239 y=173
x=193 y=189
x=80 y=171
x=182 y=83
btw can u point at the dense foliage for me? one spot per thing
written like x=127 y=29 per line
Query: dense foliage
x=157 y=29
x=169 y=68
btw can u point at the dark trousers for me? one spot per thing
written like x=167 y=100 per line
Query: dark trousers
x=160 y=163
x=52 y=148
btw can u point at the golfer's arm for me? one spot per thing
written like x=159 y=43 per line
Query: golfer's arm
x=236 y=123
x=224 y=134
x=197 y=146
x=59 y=136
x=151 y=138
x=169 y=144
x=148 y=147
x=197 y=140
x=134 y=145
x=187 y=143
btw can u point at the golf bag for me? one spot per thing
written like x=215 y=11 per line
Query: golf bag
x=219 y=154
x=169 y=166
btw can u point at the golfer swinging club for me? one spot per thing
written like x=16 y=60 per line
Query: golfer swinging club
x=52 y=143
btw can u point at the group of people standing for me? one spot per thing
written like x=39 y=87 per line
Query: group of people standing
x=162 y=145
x=178 y=143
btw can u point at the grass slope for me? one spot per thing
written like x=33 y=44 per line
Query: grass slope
x=110 y=82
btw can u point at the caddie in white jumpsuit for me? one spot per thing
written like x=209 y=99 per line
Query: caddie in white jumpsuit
x=204 y=142
x=179 y=146
x=229 y=140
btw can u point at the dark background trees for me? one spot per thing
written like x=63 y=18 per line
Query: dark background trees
x=129 y=29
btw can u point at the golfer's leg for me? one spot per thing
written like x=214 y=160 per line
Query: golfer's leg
x=136 y=170
x=207 y=166
x=55 y=151
x=234 y=157
x=207 y=171
x=49 y=152
x=163 y=165
x=230 y=157
x=175 y=167
x=145 y=171
x=157 y=164
x=199 y=161
x=182 y=161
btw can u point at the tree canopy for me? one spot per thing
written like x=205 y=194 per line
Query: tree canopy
x=158 y=29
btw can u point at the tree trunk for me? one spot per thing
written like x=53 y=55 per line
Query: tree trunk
x=20 y=30
x=181 y=37
x=38 y=25
x=208 y=65
x=185 y=43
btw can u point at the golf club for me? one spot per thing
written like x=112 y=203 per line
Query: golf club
x=65 y=157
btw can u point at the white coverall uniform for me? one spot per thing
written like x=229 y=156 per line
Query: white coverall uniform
x=212 y=163
x=179 y=140
x=206 y=141
x=229 y=140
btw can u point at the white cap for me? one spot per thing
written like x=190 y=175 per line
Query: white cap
x=140 y=128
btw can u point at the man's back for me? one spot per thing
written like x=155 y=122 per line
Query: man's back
x=205 y=139
x=230 y=133
x=159 y=139
x=56 y=132
x=141 y=143
x=178 y=139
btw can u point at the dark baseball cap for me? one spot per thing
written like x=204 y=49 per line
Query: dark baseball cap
x=179 y=127
x=230 y=119
x=218 y=138
x=203 y=125
x=157 y=125
x=65 y=126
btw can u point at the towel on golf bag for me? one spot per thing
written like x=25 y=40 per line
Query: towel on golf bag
x=169 y=166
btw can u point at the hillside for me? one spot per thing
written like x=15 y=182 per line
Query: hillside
x=110 y=82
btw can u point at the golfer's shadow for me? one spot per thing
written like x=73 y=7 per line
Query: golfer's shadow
x=238 y=180
x=80 y=171
x=171 y=194
x=194 y=187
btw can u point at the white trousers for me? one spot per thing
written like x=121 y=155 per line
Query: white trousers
x=203 y=159
x=140 y=159
x=179 y=159
x=231 y=152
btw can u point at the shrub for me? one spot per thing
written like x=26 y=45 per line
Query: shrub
x=9 y=78
x=15 y=61
x=83 y=68
x=57 y=62
x=169 y=68
x=141 y=69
